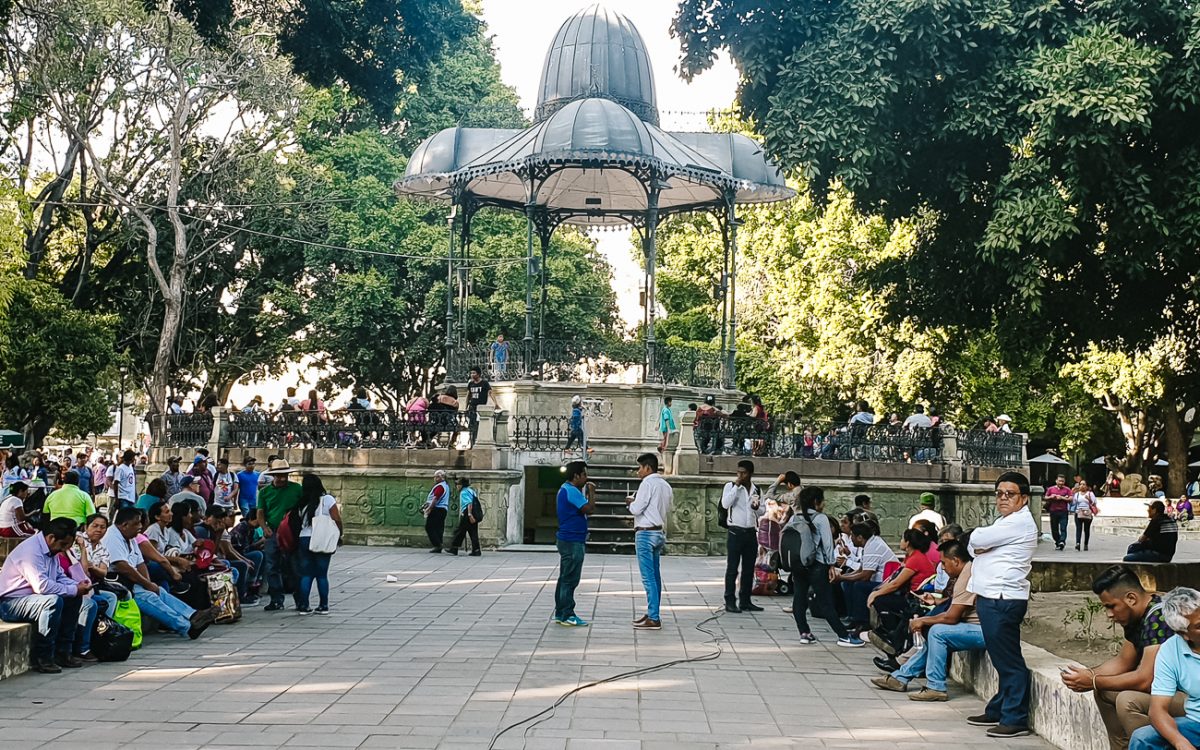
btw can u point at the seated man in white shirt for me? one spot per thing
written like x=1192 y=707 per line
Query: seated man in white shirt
x=125 y=558
x=859 y=584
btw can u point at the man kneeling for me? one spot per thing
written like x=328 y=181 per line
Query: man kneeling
x=955 y=629
x=33 y=588
x=126 y=559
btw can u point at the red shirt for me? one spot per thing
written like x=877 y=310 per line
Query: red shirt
x=922 y=568
x=1057 y=498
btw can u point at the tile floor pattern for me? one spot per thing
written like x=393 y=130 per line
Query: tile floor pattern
x=460 y=646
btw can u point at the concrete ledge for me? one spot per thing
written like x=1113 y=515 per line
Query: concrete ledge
x=1060 y=716
x=16 y=645
x=1078 y=576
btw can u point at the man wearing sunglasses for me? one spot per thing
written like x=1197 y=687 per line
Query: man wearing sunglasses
x=1003 y=555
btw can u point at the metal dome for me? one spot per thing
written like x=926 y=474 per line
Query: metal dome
x=445 y=152
x=597 y=54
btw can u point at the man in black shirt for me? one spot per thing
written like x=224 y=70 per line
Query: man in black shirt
x=1157 y=542
x=478 y=392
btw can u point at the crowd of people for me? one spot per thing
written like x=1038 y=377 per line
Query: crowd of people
x=189 y=551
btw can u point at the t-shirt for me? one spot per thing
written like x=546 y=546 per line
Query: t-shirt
x=126 y=480
x=477 y=393
x=666 y=420
x=576 y=418
x=8 y=512
x=876 y=554
x=964 y=597
x=121 y=549
x=1177 y=669
x=323 y=507
x=189 y=495
x=1163 y=534
x=275 y=502
x=1151 y=630
x=1057 y=498
x=248 y=487
x=917 y=422
x=223 y=487
x=144 y=501
x=85 y=478
x=572 y=523
x=499 y=350
x=922 y=568
x=69 y=502
x=928 y=514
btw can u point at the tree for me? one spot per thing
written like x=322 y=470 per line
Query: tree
x=58 y=369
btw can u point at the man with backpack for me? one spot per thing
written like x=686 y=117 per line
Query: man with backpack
x=807 y=550
x=739 y=512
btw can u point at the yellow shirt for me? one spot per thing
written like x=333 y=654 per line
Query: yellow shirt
x=69 y=502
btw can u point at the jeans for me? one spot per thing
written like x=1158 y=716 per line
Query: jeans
x=56 y=618
x=1138 y=552
x=934 y=658
x=576 y=435
x=740 y=547
x=246 y=507
x=88 y=616
x=1127 y=711
x=1083 y=529
x=856 y=600
x=158 y=574
x=165 y=609
x=435 y=527
x=816 y=577
x=1058 y=527
x=314 y=566
x=1001 y=623
x=649 y=546
x=570 y=568
x=465 y=528
x=278 y=566
x=1148 y=738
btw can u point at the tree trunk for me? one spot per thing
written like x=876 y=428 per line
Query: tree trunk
x=1177 y=450
x=160 y=375
x=1134 y=428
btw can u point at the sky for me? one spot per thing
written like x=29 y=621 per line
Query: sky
x=522 y=31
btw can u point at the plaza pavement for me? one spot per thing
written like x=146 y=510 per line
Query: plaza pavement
x=460 y=646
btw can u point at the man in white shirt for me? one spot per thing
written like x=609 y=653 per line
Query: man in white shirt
x=650 y=507
x=927 y=502
x=1003 y=555
x=858 y=584
x=742 y=501
x=124 y=481
x=917 y=420
x=1005 y=423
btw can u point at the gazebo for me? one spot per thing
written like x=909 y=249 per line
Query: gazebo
x=595 y=156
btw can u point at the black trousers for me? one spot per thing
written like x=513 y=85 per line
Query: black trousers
x=816 y=577
x=465 y=527
x=741 y=546
x=435 y=526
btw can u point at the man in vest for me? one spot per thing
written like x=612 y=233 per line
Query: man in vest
x=436 y=506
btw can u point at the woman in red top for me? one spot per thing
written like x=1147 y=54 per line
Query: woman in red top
x=917 y=569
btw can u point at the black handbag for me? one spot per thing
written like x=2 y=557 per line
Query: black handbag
x=112 y=641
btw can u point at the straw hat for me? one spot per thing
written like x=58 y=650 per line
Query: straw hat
x=279 y=466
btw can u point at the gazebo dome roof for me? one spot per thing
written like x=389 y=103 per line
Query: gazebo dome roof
x=597 y=54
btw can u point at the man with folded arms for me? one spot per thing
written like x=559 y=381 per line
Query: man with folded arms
x=650 y=507
x=34 y=589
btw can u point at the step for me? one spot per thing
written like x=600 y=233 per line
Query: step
x=16 y=644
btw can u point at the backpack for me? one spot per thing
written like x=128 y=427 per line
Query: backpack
x=797 y=549
x=286 y=536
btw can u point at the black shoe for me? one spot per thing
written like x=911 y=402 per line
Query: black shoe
x=476 y=553
x=750 y=607
x=202 y=619
x=68 y=662
x=1076 y=547
x=436 y=551
x=88 y=658
x=1004 y=731
x=47 y=667
x=453 y=551
x=888 y=665
x=732 y=608
x=982 y=720
x=273 y=607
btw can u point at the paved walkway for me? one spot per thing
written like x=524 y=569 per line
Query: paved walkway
x=1106 y=548
x=461 y=646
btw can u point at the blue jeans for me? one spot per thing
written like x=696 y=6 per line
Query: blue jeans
x=934 y=658
x=55 y=618
x=570 y=569
x=245 y=507
x=856 y=600
x=649 y=545
x=1148 y=738
x=1001 y=623
x=165 y=609
x=88 y=613
x=1141 y=553
x=314 y=566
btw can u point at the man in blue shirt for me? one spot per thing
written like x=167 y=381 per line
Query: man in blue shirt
x=248 y=487
x=1176 y=669
x=575 y=426
x=573 y=511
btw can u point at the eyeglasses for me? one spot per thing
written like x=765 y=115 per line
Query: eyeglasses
x=1007 y=495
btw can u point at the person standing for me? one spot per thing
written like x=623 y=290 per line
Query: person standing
x=816 y=533
x=247 y=479
x=743 y=503
x=436 y=506
x=478 y=392
x=468 y=518
x=124 y=482
x=1058 y=502
x=87 y=481
x=499 y=351
x=225 y=486
x=1083 y=506
x=69 y=501
x=573 y=508
x=1003 y=555
x=275 y=501
x=314 y=566
x=173 y=477
x=575 y=427
x=666 y=424
x=650 y=507
x=928 y=501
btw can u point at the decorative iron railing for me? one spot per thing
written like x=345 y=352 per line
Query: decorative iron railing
x=998 y=449
x=687 y=365
x=744 y=435
x=187 y=430
x=539 y=433
x=352 y=428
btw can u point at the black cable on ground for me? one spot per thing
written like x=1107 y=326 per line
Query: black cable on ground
x=548 y=712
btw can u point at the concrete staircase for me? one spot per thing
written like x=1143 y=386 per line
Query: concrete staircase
x=611 y=526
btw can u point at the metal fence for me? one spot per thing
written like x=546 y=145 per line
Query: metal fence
x=738 y=435
x=998 y=449
x=187 y=430
x=539 y=433
x=353 y=428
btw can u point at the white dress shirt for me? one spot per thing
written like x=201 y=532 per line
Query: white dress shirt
x=738 y=501
x=652 y=503
x=1003 y=555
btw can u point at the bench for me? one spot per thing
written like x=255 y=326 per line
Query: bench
x=15 y=647
x=1060 y=716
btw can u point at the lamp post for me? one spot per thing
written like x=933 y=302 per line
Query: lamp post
x=121 y=410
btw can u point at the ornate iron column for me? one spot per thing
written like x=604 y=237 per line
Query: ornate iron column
x=450 y=288
x=527 y=344
x=651 y=253
x=545 y=233
x=723 y=290
x=731 y=354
